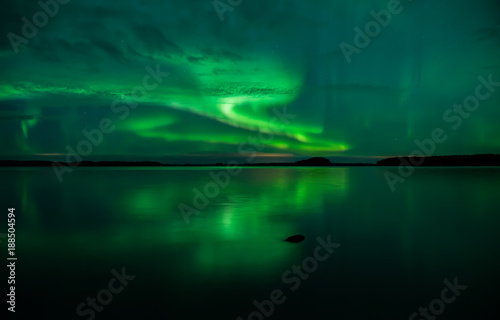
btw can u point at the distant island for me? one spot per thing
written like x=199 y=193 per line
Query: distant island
x=426 y=161
x=478 y=160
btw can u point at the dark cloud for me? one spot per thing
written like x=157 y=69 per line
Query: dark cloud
x=155 y=41
x=10 y=19
x=238 y=89
x=487 y=33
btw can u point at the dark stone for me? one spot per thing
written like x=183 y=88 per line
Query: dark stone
x=295 y=238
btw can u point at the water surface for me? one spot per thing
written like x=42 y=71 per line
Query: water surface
x=396 y=249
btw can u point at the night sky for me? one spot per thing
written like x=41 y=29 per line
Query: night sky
x=227 y=78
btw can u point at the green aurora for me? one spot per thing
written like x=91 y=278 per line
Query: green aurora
x=227 y=79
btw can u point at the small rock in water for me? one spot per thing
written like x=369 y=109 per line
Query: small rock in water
x=295 y=238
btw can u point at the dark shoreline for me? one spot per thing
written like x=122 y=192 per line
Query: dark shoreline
x=15 y=163
x=478 y=160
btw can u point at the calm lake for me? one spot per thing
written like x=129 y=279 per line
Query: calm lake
x=396 y=251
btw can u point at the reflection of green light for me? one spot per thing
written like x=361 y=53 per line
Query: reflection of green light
x=215 y=257
x=227 y=222
x=244 y=223
x=308 y=188
x=142 y=201
x=247 y=220
x=24 y=127
x=145 y=201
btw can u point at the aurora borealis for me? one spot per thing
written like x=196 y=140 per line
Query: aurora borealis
x=226 y=78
